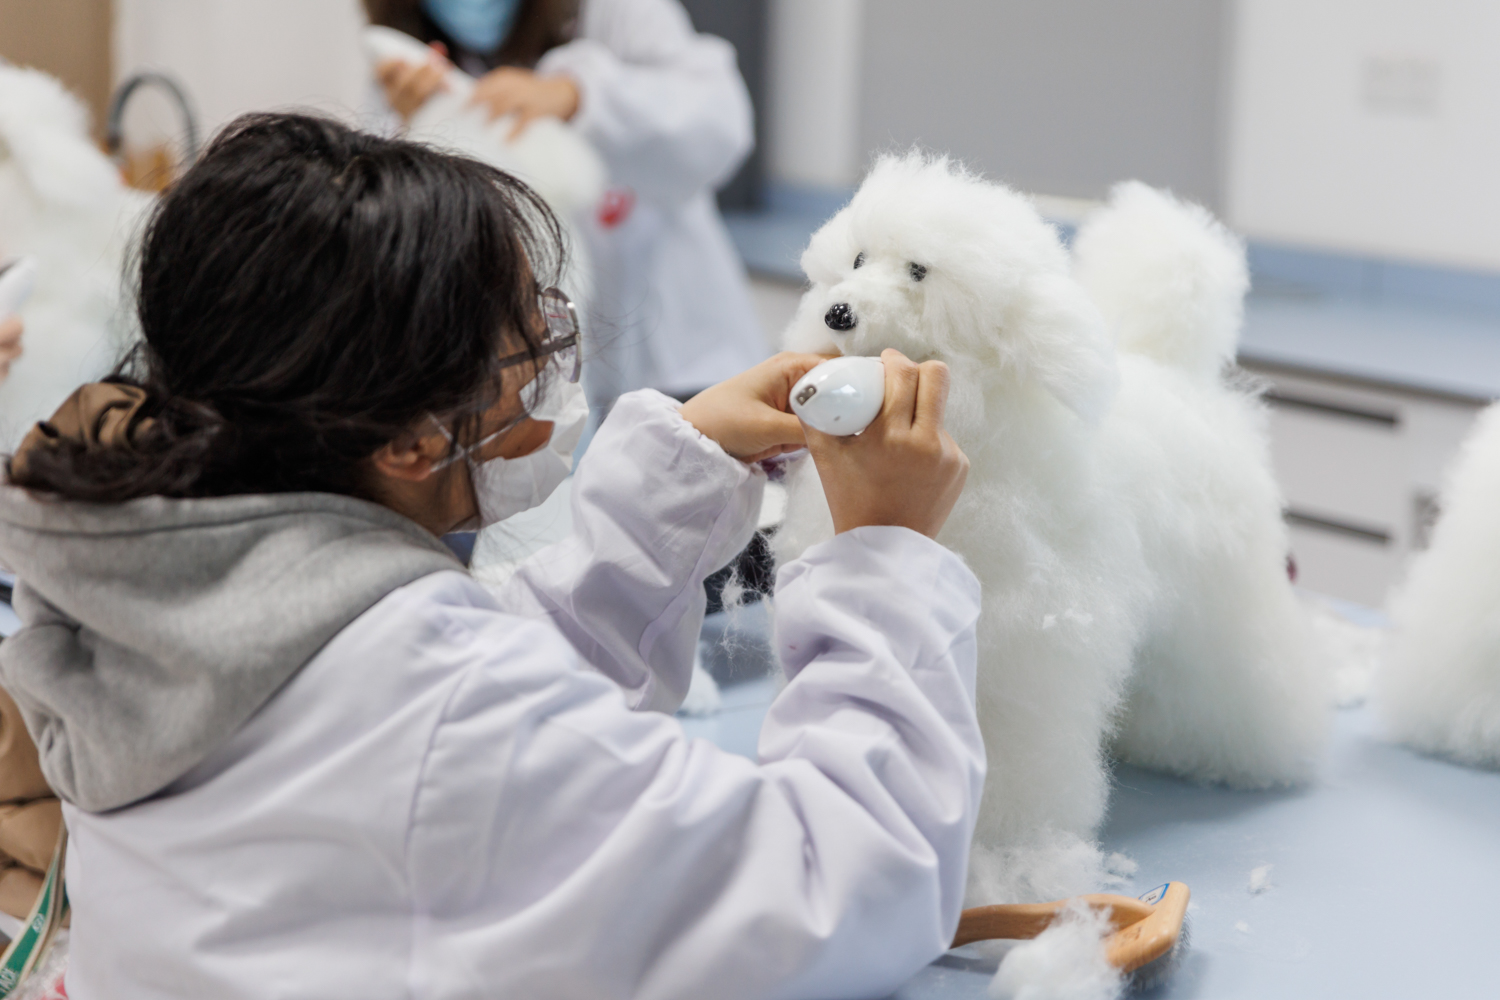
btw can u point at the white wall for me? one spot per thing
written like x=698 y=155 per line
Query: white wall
x=237 y=55
x=813 y=91
x=1369 y=126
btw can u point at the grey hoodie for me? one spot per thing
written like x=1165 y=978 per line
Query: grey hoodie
x=153 y=629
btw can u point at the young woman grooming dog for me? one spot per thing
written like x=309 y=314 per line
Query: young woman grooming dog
x=303 y=754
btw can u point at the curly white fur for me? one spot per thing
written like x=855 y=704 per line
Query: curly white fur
x=1439 y=687
x=1120 y=511
x=62 y=201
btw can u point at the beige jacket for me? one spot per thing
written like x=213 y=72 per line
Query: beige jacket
x=30 y=815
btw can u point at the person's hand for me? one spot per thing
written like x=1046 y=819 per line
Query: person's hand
x=747 y=415
x=903 y=469
x=10 y=343
x=510 y=90
x=408 y=85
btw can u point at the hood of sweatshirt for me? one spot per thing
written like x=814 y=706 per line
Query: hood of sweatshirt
x=153 y=629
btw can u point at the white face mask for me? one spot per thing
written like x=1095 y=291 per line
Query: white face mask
x=504 y=487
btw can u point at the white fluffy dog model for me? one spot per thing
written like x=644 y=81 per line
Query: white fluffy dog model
x=1120 y=511
x=62 y=202
x=1439 y=687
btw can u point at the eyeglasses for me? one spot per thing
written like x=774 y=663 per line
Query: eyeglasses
x=562 y=338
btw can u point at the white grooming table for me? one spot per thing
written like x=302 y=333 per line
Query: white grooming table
x=1382 y=880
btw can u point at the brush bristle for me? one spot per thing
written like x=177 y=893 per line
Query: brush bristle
x=1159 y=970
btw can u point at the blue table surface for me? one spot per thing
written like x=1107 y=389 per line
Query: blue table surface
x=1381 y=876
x=1428 y=350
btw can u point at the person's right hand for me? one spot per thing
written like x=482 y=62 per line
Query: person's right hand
x=10 y=343
x=408 y=85
x=903 y=469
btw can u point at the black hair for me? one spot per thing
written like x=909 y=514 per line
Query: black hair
x=306 y=294
x=539 y=27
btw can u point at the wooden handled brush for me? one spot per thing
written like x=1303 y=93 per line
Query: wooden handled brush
x=1149 y=931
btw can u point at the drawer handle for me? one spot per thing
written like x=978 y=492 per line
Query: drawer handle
x=1385 y=418
x=1366 y=533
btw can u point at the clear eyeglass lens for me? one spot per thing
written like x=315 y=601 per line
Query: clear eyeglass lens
x=558 y=315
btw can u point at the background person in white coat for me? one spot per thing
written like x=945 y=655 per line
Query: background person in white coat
x=304 y=755
x=668 y=111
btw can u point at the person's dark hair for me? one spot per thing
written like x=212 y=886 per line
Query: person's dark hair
x=540 y=26
x=307 y=293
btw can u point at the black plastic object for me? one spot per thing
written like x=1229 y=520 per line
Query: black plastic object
x=754 y=568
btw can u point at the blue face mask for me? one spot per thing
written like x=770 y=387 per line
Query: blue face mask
x=478 y=25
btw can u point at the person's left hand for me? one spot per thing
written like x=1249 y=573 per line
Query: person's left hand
x=510 y=90
x=10 y=343
x=747 y=415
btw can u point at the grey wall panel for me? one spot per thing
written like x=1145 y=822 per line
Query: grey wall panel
x=742 y=23
x=1061 y=97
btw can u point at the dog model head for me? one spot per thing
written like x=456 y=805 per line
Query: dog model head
x=937 y=263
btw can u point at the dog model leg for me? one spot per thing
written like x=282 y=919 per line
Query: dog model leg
x=808 y=520
x=1049 y=683
x=1230 y=688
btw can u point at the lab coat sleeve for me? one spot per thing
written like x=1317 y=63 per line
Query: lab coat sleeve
x=563 y=845
x=665 y=106
x=657 y=507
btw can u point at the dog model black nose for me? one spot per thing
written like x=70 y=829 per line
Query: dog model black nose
x=840 y=317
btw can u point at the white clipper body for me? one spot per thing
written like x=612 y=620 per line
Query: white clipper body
x=840 y=396
x=17 y=279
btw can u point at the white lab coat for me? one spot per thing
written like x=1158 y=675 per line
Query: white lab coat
x=668 y=111
x=448 y=802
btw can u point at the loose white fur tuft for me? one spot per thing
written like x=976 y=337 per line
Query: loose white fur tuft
x=62 y=201
x=1438 y=689
x=703 y=696
x=1120 y=510
x=1065 y=962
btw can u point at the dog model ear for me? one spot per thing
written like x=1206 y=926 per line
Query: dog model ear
x=1075 y=358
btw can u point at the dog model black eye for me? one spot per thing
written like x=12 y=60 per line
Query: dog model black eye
x=918 y=272
x=859 y=260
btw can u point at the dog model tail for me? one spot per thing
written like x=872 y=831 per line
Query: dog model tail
x=1168 y=277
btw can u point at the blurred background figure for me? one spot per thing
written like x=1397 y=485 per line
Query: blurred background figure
x=669 y=113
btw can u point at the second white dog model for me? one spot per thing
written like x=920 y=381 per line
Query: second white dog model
x=549 y=155
x=1439 y=687
x=1120 y=511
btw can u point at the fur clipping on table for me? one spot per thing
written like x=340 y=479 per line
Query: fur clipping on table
x=1065 y=962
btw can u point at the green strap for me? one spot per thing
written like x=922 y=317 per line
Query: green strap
x=46 y=917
